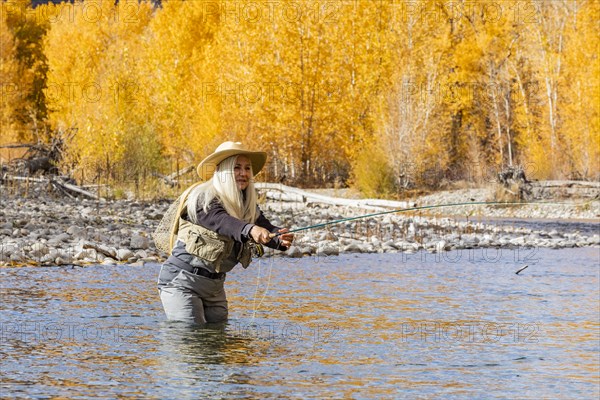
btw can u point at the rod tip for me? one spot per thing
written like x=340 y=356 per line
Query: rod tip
x=521 y=269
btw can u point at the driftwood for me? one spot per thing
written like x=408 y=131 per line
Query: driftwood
x=275 y=191
x=61 y=189
x=60 y=183
x=566 y=184
x=70 y=187
x=7 y=177
x=171 y=179
x=565 y=189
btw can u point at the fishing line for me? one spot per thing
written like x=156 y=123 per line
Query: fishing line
x=254 y=306
x=256 y=292
x=473 y=203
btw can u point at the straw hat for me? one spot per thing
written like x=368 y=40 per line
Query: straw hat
x=208 y=166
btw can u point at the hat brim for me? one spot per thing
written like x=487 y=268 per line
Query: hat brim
x=207 y=167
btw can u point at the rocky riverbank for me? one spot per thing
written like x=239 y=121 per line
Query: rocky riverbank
x=43 y=230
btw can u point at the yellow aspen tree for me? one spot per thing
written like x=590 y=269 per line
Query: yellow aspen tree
x=9 y=84
x=549 y=55
x=364 y=75
x=414 y=121
x=29 y=105
x=579 y=101
x=92 y=79
x=178 y=66
x=560 y=41
x=275 y=98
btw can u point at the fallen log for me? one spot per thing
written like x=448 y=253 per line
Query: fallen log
x=558 y=184
x=171 y=179
x=67 y=186
x=289 y=193
x=8 y=177
x=59 y=183
x=565 y=189
x=61 y=189
x=182 y=171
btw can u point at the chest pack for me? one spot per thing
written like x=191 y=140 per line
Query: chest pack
x=210 y=246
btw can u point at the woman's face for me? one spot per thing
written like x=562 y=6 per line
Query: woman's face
x=242 y=172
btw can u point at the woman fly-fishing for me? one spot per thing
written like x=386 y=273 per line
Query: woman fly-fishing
x=217 y=225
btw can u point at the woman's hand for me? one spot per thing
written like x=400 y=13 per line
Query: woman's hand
x=286 y=238
x=263 y=236
x=260 y=235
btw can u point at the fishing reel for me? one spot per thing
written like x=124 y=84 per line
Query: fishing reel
x=257 y=249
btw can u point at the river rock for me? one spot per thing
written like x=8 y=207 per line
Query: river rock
x=137 y=263
x=63 y=237
x=441 y=246
x=7 y=249
x=50 y=257
x=100 y=248
x=388 y=249
x=18 y=257
x=139 y=242
x=124 y=254
x=63 y=261
x=554 y=234
x=353 y=248
x=308 y=249
x=294 y=252
x=86 y=211
x=119 y=228
x=38 y=250
x=141 y=254
x=328 y=250
x=518 y=241
x=89 y=254
x=390 y=244
x=74 y=229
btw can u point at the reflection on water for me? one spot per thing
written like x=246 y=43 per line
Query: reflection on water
x=356 y=326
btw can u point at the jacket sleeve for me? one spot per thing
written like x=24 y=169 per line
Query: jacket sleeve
x=218 y=220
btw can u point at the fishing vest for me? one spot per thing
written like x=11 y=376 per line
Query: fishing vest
x=210 y=246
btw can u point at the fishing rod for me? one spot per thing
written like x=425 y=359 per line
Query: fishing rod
x=489 y=203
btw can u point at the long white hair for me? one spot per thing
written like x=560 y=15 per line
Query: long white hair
x=222 y=187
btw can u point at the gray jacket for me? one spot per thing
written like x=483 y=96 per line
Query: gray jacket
x=218 y=220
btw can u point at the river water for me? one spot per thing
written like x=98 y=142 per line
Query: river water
x=460 y=324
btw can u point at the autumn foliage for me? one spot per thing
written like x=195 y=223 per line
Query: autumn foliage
x=383 y=95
